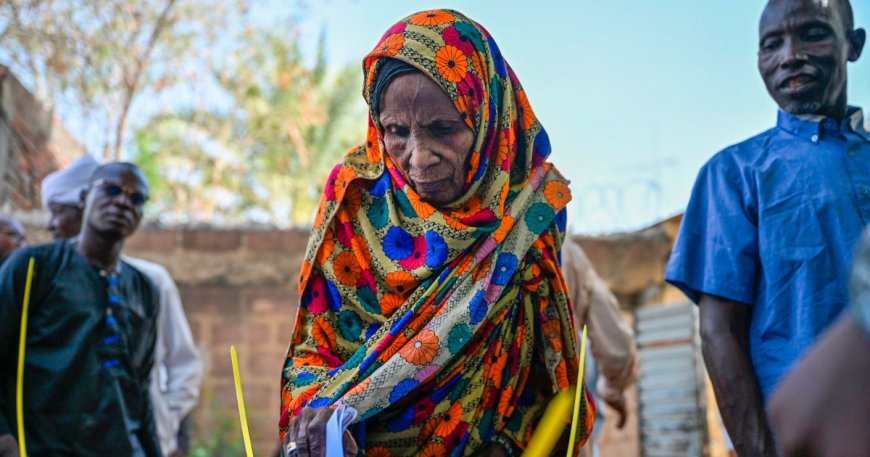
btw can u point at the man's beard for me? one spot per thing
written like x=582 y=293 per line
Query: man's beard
x=800 y=107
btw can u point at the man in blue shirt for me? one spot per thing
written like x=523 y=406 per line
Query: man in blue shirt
x=767 y=238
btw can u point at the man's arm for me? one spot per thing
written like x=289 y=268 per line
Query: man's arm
x=181 y=360
x=611 y=341
x=725 y=335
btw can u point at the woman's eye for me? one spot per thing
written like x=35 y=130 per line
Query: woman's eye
x=442 y=129
x=397 y=130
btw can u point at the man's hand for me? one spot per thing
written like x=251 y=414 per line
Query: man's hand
x=308 y=432
x=823 y=407
x=725 y=335
x=618 y=404
x=8 y=446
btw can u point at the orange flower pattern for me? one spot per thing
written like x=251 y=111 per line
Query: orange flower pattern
x=431 y=320
x=433 y=17
x=451 y=63
x=421 y=349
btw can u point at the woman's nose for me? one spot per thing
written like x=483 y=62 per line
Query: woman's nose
x=422 y=155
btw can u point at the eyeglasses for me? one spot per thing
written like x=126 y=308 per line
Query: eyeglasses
x=113 y=190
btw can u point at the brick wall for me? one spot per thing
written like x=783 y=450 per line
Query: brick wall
x=238 y=287
x=32 y=144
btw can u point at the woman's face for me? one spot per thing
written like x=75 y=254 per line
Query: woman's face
x=426 y=136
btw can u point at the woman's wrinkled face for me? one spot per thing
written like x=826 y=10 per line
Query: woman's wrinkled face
x=426 y=136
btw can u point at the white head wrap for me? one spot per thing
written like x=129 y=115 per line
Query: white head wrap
x=65 y=186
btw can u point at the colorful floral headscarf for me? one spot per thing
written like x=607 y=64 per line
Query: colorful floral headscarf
x=442 y=326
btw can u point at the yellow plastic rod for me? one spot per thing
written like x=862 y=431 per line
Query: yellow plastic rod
x=558 y=412
x=240 y=397
x=22 y=343
x=576 y=415
x=552 y=425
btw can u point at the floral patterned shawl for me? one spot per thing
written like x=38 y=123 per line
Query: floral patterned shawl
x=441 y=326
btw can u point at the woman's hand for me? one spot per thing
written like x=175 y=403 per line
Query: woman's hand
x=308 y=432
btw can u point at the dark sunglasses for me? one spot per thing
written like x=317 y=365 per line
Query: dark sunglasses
x=113 y=190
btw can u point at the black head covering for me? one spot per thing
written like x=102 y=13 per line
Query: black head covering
x=390 y=69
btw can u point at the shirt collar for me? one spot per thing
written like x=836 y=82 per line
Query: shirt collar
x=812 y=126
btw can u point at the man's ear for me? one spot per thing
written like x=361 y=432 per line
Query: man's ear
x=83 y=197
x=856 y=38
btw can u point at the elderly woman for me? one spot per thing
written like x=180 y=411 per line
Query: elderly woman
x=432 y=297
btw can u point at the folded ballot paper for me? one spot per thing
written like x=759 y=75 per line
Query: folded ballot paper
x=340 y=420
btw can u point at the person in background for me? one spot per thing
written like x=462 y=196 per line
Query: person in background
x=767 y=239
x=822 y=408
x=92 y=328
x=12 y=237
x=611 y=339
x=177 y=366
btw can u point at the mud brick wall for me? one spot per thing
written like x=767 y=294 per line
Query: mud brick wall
x=32 y=144
x=239 y=288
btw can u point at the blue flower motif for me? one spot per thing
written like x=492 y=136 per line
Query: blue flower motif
x=542 y=144
x=481 y=168
x=436 y=249
x=562 y=219
x=538 y=217
x=349 y=324
x=402 y=422
x=379 y=213
x=304 y=379
x=505 y=266
x=368 y=300
x=379 y=189
x=458 y=336
x=398 y=244
x=405 y=204
x=370 y=332
x=319 y=403
x=497 y=58
x=334 y=296
x=402 y=388
x=478 y=307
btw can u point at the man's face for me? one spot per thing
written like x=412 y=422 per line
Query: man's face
x=11 y=238
x=115 y=201
x=65 y=221
x=803 y=51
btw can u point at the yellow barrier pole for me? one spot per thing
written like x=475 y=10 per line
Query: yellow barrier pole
x=576 y=415
x=240 y=397
x=22 y=343
x=558 y=412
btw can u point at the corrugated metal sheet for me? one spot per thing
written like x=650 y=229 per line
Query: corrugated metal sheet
x=671 y=383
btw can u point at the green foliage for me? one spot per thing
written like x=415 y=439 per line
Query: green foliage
x=265 y=156
x=92 y=59
x=222 y=439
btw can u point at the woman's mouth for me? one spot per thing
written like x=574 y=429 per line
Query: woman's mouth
x=431 y=186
